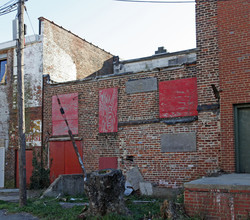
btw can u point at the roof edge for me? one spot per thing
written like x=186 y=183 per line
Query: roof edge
x=157 y=56
x=43 y=18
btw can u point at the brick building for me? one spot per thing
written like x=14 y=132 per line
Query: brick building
x=162 y=113
x=120 y=120
x=174 y=116
x=53 y=52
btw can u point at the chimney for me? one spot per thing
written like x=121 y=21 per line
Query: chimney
x=160 y=50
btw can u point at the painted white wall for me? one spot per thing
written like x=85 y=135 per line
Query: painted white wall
x=2 y=153
x=33 y=70
x=59 y=64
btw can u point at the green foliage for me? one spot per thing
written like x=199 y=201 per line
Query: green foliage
x=40 y=175
x=180 y=198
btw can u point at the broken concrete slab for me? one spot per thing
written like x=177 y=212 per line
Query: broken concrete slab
x=134 y=177
x=67 y=184
x=146 y=188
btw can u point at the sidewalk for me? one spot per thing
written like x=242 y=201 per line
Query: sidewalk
x=12 y=195
x=17 y=216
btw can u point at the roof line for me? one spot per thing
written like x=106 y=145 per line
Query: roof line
x=43 y=18
x=157 y=56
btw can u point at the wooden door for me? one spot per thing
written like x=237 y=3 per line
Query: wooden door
x=63 y=159
x=242 y=138
x=29 y=167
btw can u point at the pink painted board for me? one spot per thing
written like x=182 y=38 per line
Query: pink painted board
x=69 y=102
x=108 y=121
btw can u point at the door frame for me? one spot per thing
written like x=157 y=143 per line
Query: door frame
x=236 y=134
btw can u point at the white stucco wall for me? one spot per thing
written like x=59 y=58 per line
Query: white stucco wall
x=56 y=61
x=33 y=70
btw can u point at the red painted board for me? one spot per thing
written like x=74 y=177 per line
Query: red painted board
x=69 y=102
x=108 y=162
x=178 y=98
x=60 y=128
x=29 y=167
x=72 y=165
x=108 y=110
x=56 y=159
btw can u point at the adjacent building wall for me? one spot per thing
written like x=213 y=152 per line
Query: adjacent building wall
x=234 y=67
x=67 y=57
x=56 y=52
x=223 y=48
x=4 y=113
x=33 y=103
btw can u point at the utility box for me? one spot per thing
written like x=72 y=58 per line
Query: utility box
x=15 y=29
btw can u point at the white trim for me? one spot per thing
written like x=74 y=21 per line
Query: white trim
x=12 y=44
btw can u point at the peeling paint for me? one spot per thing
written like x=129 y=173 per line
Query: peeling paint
x=33 y=138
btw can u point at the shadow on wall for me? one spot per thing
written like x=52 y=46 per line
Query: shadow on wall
x=107 y=69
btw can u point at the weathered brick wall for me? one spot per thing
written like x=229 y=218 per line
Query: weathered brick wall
x=207 y=50
x=139 y=139
x=234 y=38
x=221 y=204
x=68 y=57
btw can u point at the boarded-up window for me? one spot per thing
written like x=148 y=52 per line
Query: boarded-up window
x=178 y=98
x=69 y=102
x=108 y=110
x=108 y=163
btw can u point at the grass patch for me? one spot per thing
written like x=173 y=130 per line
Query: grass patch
x=49 y=208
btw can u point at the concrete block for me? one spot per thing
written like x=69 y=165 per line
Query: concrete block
x=166 y=193
x=182 y=142
x=68 y=184
x=146 y=188
x=141 y=85
x=134 y=177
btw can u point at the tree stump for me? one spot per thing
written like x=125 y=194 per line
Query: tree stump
x=105 y=189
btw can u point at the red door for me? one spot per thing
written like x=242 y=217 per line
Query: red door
x=63 y=159
x=29 y=167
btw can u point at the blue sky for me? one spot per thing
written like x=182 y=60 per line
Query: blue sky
x=129 y=30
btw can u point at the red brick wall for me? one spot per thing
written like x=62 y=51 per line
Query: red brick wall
x=234 y=38
x=143 y=141
x=220 y=204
